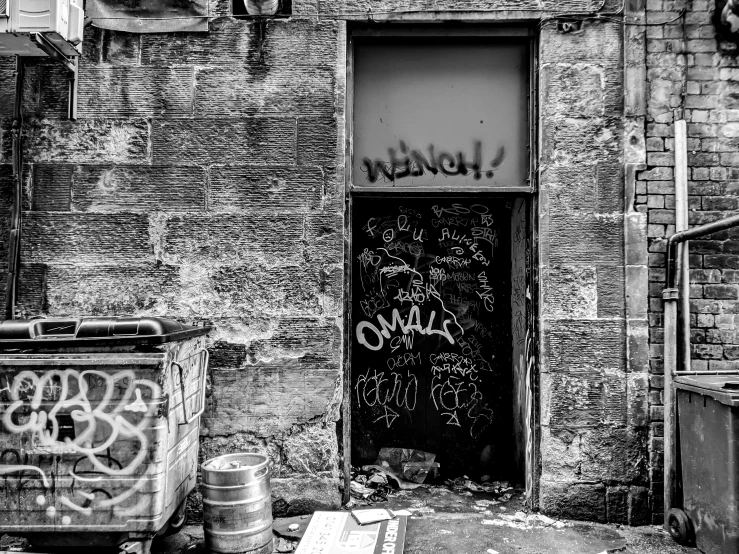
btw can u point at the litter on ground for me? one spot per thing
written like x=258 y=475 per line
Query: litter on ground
x=521 y=520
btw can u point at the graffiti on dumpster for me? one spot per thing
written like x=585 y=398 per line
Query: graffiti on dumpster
x=83 y=413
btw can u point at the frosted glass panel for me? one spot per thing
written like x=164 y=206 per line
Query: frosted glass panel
x=442 y=112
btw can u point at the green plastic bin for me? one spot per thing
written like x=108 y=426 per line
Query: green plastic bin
x=708 y=418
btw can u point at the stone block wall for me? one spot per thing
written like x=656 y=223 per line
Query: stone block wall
x=691 y=71
x=201 y=183
x=593 y=429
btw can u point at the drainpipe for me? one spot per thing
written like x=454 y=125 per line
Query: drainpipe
x=670 y=297
x=681 y=224
x=676 y=314
x=11 y=288
x=676 y=298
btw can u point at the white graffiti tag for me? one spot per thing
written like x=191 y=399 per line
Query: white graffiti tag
x=105 y=408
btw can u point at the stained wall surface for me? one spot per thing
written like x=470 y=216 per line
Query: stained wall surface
x=201 y=184
x=204 y=183
x=592 y=398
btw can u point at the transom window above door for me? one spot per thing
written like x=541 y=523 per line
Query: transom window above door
x=440 y=112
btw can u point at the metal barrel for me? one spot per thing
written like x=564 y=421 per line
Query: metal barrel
x=237 y=509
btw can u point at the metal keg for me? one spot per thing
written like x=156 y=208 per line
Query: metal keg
x=237 y=509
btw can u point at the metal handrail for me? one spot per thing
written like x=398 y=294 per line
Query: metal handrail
x=689 y=234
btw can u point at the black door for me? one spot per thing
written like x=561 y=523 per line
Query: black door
x=431 y=330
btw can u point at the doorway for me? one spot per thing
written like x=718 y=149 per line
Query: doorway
x=432 y=319
x=440 y=340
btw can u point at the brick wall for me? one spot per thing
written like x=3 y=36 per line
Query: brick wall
x=199 y=183
x=689 y=67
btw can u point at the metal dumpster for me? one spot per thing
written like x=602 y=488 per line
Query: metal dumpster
x=708 y=418
x=99 y=423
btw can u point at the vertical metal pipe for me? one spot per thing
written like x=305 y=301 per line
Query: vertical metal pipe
x=72 y=107
x=670 y=297
x=681 y=224
x=684 y=309
x=15 y=223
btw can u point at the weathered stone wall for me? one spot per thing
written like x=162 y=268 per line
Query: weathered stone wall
x=201 y=183
x=690 y=68
x=593 y=443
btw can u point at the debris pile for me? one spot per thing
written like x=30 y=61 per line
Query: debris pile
x=408 y=464
x=395 y=469
x=9 y=543
x=397 y=472
x=369 y=485
x=502 y=489
x=372 y=483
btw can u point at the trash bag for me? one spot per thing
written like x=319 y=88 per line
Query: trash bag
x=408 y=464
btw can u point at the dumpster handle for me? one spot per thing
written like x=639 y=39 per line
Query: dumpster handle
x=202 y=387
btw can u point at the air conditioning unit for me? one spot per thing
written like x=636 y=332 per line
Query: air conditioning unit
x=59 y=22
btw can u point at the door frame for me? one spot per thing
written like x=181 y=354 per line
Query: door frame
x=528 y=32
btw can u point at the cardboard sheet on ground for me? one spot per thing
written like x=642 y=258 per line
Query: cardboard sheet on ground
x=339 y=533
x=376 y=515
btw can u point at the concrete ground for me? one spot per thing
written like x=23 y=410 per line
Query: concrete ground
x=449 y=522
x=445 y=533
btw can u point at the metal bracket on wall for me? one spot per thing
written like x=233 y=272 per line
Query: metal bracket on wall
x=70 y=63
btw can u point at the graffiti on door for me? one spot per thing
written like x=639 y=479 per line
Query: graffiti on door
x=430 y=321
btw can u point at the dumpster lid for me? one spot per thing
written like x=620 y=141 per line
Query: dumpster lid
x=722 y=388
x=93 y=331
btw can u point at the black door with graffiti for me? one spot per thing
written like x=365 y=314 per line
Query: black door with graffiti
x=431 y=332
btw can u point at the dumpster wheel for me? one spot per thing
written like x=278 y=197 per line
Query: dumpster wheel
x=679 y=526
x=176 y=522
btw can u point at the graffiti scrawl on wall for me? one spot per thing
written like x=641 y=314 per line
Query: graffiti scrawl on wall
x=411 y=162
